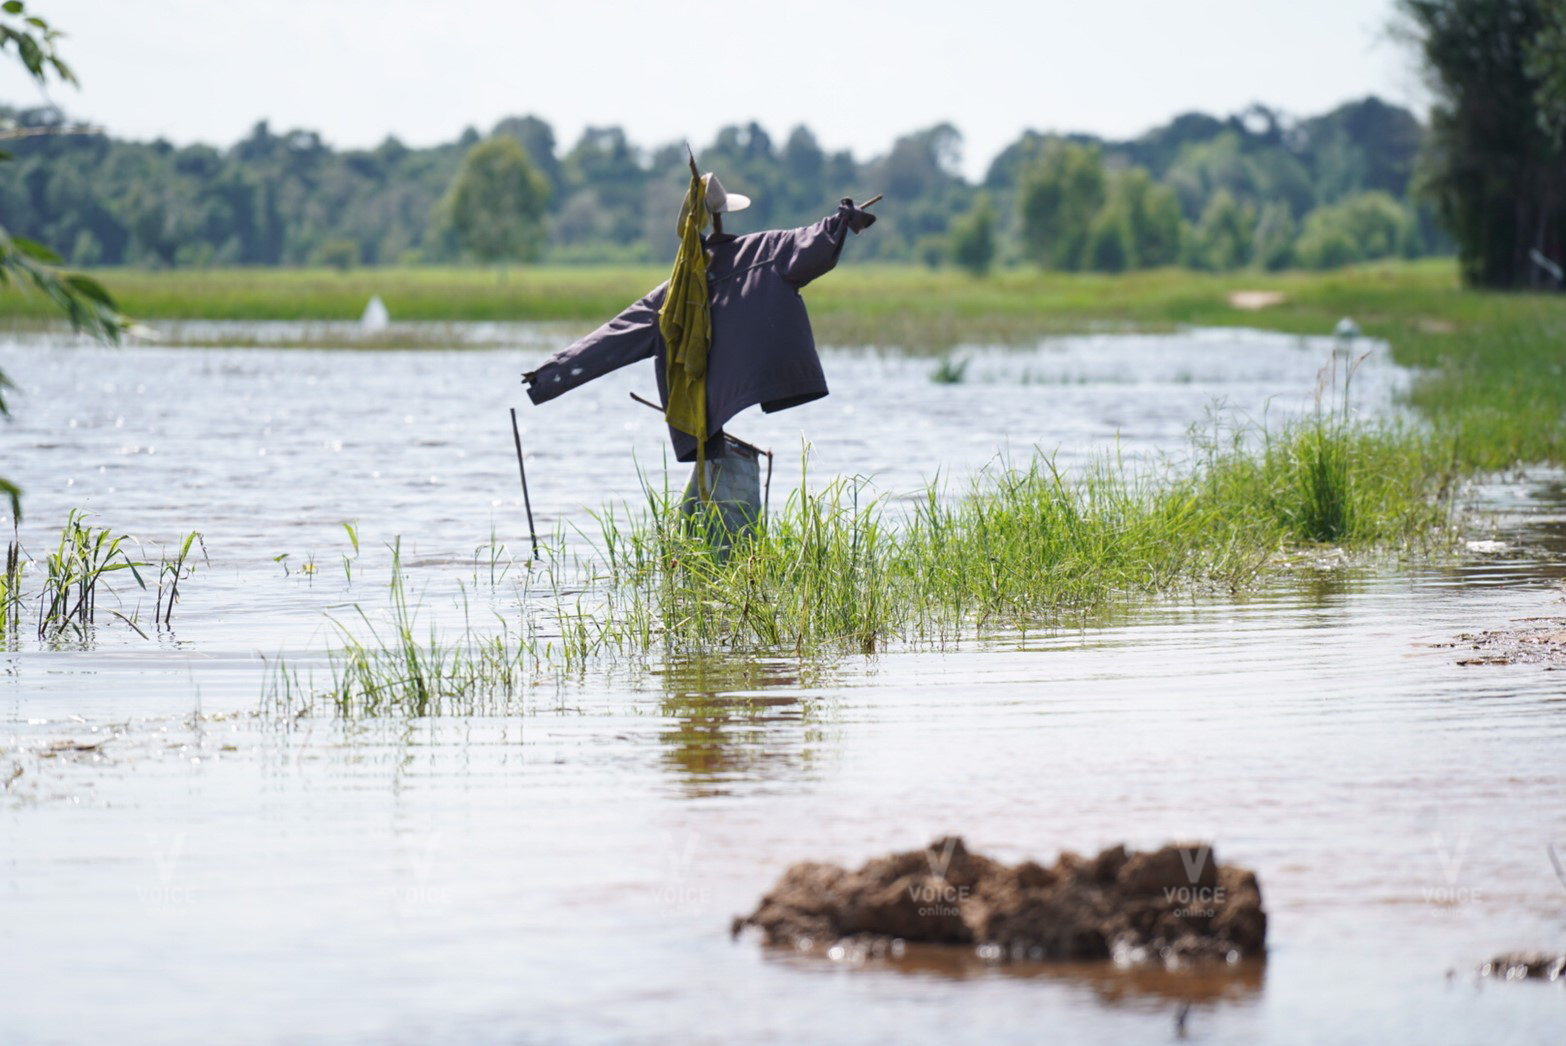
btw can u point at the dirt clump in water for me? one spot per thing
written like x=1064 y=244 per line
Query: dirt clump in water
x=1520 y=966
x=1172 y=904
x=1534 y=641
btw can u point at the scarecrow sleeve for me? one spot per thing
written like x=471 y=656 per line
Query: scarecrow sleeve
x=816 y=247
x=630 y=336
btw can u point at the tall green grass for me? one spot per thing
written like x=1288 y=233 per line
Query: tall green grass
x=11 y=591
x=73 y=573
x=387 y=661
x=77 y=572
x=1024 y=544
x=1495 y=385
x=836 y=570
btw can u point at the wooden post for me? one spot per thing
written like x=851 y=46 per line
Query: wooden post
x=527 y=502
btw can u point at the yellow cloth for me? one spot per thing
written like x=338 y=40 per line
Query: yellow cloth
x=686 y=324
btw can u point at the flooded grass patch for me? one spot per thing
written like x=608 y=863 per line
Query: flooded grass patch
x=388 y=663
x=77 y=572
x=838 y=570
x=1023 y=545
x=1028 y=544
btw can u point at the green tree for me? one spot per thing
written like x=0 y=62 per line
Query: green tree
x=1366 y=144
x=1547 y=67
x=1151 y=218
x=1222 y=239
x=85 y=303
x=1325 y=243
x=1363 y=227
x=538 y=139
x=498 y=201
x=338 y=253
x=1494 y=165
x=973 y=238
x=604 y=162
x=1274 y=239
x=1110 y=245
x=1203 y=169
x=1059 y=195
x=804 y=176
x=922 y=173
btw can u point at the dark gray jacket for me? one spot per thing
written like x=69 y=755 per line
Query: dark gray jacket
x=762 y=347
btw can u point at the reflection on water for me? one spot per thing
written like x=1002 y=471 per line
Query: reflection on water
x=1139 y=986
x=736 y=718
x=568 y=872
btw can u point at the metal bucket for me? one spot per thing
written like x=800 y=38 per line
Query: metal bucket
x=734 y=507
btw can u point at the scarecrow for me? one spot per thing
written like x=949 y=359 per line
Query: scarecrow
x=728 y=331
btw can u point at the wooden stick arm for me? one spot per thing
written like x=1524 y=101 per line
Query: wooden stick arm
x=727 y=435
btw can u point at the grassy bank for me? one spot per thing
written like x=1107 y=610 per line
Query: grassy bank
x=423 y=294
x=857 y=304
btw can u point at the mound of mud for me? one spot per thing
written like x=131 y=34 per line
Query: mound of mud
x=1524 y=966
x=1168 y=905
x=1534 y=641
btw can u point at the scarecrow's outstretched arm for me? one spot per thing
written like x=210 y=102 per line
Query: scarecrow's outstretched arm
x=816 y=247
x=630 y=336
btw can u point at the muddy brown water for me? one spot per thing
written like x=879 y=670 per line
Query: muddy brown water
x=174 y=867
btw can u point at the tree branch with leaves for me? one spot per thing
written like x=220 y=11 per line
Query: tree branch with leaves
x=25 y=264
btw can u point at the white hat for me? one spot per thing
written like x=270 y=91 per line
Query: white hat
x=719 y=200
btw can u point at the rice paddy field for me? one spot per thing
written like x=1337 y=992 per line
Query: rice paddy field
x=292 y=708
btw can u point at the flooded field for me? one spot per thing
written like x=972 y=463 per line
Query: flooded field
x=176 y=865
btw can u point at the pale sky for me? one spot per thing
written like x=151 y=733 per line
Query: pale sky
x=858 y=74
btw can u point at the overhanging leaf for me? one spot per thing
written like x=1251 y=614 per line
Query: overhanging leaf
x=90 y=289
x=14 y=494
x=34 y=249
x=32 y=54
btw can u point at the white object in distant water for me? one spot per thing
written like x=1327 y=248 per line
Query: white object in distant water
x=1346 y=329
x=375 y=315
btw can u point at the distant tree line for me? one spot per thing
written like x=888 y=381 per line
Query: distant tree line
x=1254 y=189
